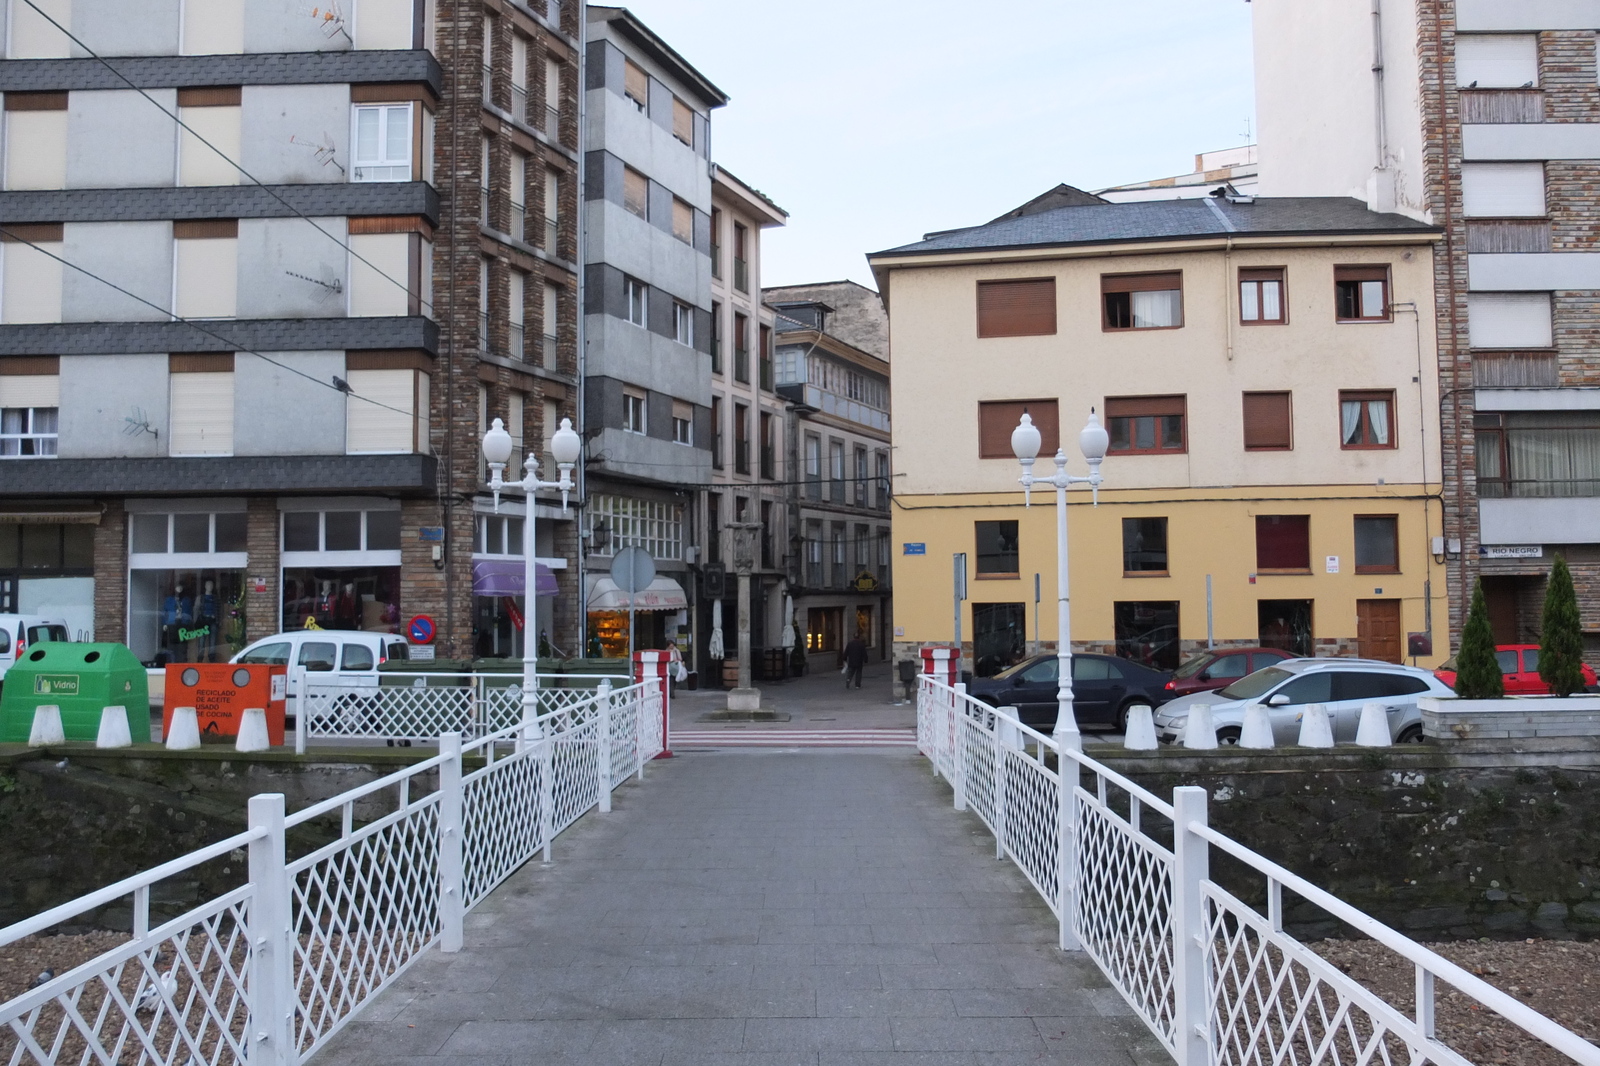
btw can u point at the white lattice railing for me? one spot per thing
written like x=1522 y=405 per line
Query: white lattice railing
x=413 y=707
x=1127 y=875
x=268 y=972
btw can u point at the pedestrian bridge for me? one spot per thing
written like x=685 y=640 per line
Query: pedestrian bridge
x=761 y=906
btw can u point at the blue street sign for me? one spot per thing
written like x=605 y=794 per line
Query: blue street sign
x=915 y=548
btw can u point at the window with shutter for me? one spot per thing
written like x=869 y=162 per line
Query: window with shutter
x=206 y=265
x=682 y=122
x=380 y=411
x=1509 y=319
x=36 y=140
x=1020 y=308
x=1147 y=425
x=1268 y=422
x=1142 y=301
x=200 y=413
x=682 y=221
x=1497 y=60
x=30 y=289
x=1502 y=190
x=1283 y=542
x=636 y=193
x=636 y=84
x=377 y=261
x=997 y=418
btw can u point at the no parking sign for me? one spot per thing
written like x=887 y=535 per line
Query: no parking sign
x=420 y=630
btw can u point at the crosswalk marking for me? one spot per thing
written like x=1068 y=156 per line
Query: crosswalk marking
x=795 y=738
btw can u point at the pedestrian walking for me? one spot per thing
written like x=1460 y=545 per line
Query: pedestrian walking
x=855 y=660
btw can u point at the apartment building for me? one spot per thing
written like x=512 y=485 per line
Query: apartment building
x=1238 y=168
x=1273 y=418
x=748 y=467
x=648 y=324
x=1480 y=117
x=243 y=363
x=832 y=365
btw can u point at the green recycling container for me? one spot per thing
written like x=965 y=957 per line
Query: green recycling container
x=81 y=679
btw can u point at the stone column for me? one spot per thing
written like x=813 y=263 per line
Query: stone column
x=746 y=697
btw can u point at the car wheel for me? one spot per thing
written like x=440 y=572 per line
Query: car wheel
x=1411 y=734
x=1228 y=736
x=1120 y=722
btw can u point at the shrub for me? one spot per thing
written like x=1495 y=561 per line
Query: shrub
x=1477 y=670
x=1561 y=635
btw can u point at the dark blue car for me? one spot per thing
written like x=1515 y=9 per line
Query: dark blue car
x=1103 y=688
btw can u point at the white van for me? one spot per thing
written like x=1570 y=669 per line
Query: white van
x=348 y=658
x=18 y=632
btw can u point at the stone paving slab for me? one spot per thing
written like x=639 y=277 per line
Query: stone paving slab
x=819 y=908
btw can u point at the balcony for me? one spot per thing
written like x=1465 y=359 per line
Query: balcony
x=552 y=358
x=518 y=221
x=861 y=493
x=769 y=462
x=821 y=400
x=741 y=457
x=483 y=205
x=1508 y=235
x=1494 y=106
x=519 y=102
x=716 y=451
x=1514 y=369
x=716 y=354
x=552 y=122
x=488 y=85
x=766 y=374
x=515 y=340
x=836 y=490
x=552 y=233
x=813 y=487
x=741 y=275
x=483 y=331
x=741 y=365
x=716 y=260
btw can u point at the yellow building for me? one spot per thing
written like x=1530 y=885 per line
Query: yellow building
x=1273 y=407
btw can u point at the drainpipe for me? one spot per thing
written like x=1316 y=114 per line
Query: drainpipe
x=581 y=197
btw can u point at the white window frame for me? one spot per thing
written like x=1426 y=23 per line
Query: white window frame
x=636 y=294
x=289 y=560
x=635 y=413
x=683 y=322
x=46 y=443
x=683 y=428
x=382 y=167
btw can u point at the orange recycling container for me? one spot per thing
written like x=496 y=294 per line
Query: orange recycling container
x=220 y=692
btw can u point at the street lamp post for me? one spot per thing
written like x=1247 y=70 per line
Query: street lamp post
x=565 y=447
x=1025 y=442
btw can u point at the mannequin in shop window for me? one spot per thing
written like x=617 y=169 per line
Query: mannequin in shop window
x=345 y=607
x=177 y=613
x=205 y=619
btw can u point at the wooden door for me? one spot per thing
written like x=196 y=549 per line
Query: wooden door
x=1500 y=597
x=1378 y=630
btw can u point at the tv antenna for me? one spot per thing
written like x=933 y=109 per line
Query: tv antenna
x=334 y=287
x=325 y=151
x=138 y=423
x=331 y=20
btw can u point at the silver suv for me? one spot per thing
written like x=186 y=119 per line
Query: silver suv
x=1344 y=686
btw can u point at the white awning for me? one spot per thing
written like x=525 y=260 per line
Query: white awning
x=664 y=594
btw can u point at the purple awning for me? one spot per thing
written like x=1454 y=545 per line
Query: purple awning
x=504 y=577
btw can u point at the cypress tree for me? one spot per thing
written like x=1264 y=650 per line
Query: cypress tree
x=1477 y=670
x=1561 y=634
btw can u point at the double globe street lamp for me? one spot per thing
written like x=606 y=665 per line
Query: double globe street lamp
x=1093 y=441
x=565 y=447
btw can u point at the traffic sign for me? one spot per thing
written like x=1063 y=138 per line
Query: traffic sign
x=633 y=570
x=420 y=630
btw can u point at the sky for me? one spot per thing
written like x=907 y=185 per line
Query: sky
x=873 y=122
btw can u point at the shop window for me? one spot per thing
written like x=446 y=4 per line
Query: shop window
x=1142 y=301
x=1283 y=543
x=186 y=579
x=999 y=636
x=1147 y=632
x=1284 y=624
x=1144 y=545
x=997 y=548
x=1147 y=425
x=498 y=535
x=381 y=142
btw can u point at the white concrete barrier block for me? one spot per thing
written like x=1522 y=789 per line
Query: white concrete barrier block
x=1257 y=732
x=114 y=731
x=1373 y=732
x=253 y=731
x=1316 y=729
x=47 y=727
x=184 y=732
x=1141 y=731
x=1200 y=732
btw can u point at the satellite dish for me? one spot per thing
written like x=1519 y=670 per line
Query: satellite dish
x=633 y=570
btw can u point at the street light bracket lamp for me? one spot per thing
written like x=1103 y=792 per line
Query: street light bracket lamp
x=1093 y=442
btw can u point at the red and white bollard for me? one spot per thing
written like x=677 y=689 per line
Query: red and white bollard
x=942 y=664
x=657 y=664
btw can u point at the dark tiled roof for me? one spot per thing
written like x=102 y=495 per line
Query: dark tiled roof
x=324 y=200
x=412 y=475
x=257 y=335
x=1157 y=220
x=178 y=72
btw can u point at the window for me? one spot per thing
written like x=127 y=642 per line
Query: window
x=31 y=289
x=716 y=432
x=1142 y=301
x=1545 y=454
x=1377 y=544
x=519 y=77
x=1146 y=632
x=1362 y=293
x=1502 y=190
x=1497 y=60
x=1283 y=542
x=682 y=122
x=1283 y=624
x=883 y=481
x=836 y=469
x=200 y=417
x=386 y=411
x=380 y=257
x=997 y=418
x=382 y=143
x=497 y=535
x=36 y=140
x=552 y=325
x=206 y=269
x=654 y=525
x=741 y=348
x=518 y=182
x=32 y=35
x=766 y=358
x=552 y=211
x=861 y=476
x=212 y=114
x=342 y=531
x=1366 y=420
x=1146 y=425
x=187 y=533
x=716 y=232
x=1022 y=308
x=483 y=303
x=553 y=77
x=682 y=221
x=29 y=409
x=716 y=337
x=636 y=296
x=741 y=257
x=682 y=423
x=683 y=323
x=491 y=30
x=1144 y=545
x=1261 y=299
x=517 y=312
x=636 y=193
x=997 y=548
x=636 y=84
x=485 y=181
x=741 y=439
x=633 y=411
x=1268 y=422
x=769 y=448
x=813 y=466
x=1509 y=320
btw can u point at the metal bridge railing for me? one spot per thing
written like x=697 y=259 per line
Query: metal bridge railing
x=1127 y=875
x=268 y=972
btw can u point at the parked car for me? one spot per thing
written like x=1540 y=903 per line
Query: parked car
x=1344 y=686
x=19 y=631
x=1219 y=668
x=352 y=657
x=1519 y=663
x=1103 y=688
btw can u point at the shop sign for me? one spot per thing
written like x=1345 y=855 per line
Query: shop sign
x=431 y=534
x=915 y=548
x=55 y=684
x=865 y=582
x=1511 y=551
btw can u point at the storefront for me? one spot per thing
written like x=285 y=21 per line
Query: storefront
x=660 y=618
x=47 y=567
x=186 y=567
x=341 y=564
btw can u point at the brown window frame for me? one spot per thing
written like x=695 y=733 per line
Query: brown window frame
x=1288 y=402
x=1343 y=275
x=1302 y=520
x=1394 y=527
x=1162 y=406
x=1364 y=397
x=996 y=421
x=1150 y=281
x=996 y=317
x=1259 y=276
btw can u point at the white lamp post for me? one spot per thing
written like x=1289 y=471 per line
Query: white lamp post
x=565 y=446
x=1025 y=442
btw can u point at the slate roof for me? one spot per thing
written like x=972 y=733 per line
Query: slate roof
x=1158 y=220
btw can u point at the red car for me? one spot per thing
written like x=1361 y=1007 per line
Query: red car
x=1520 y=665
x=1221 y=667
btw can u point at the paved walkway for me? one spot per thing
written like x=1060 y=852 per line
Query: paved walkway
x=759 y=908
